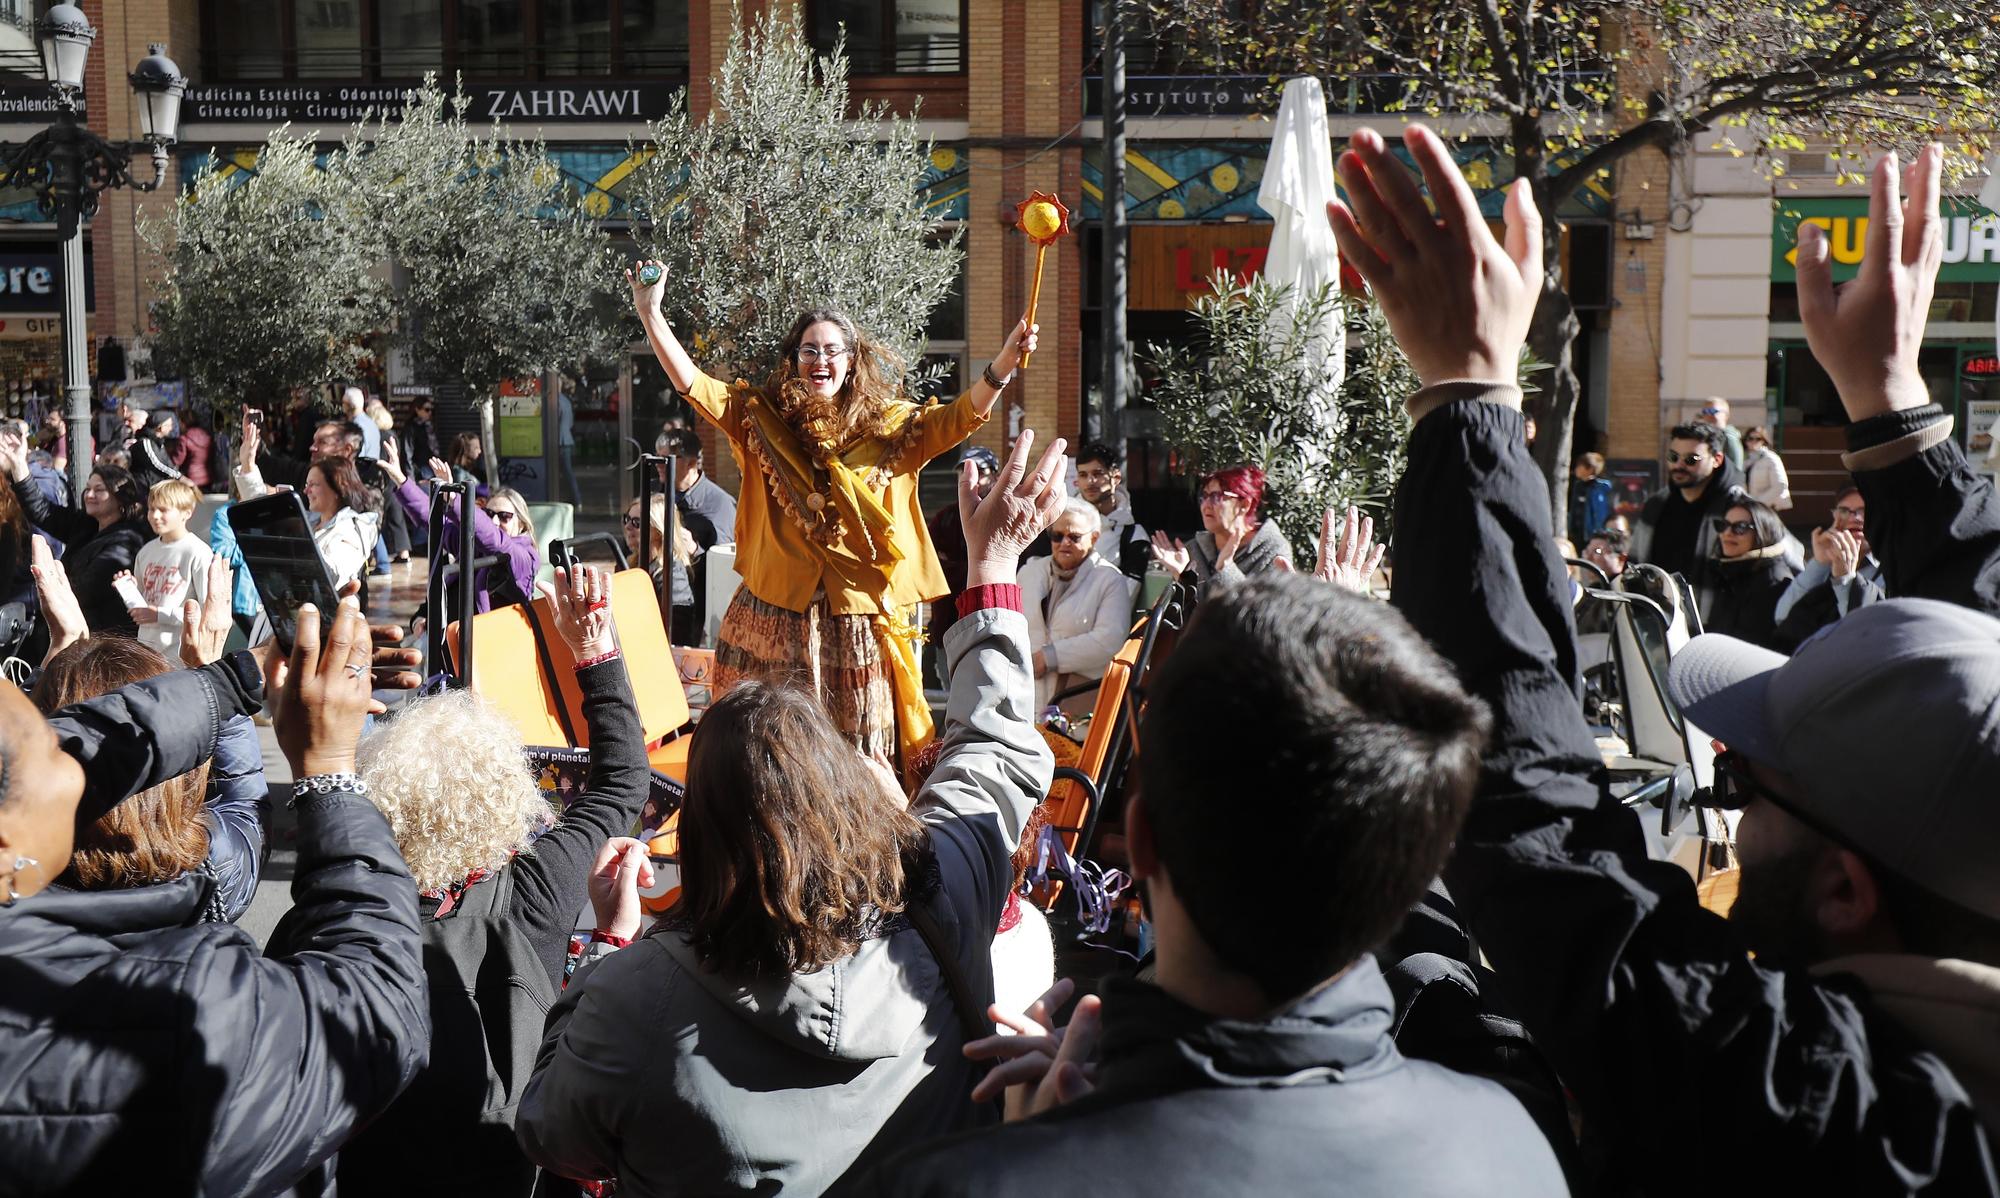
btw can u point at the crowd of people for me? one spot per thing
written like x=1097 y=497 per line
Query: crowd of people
x=1403 y=937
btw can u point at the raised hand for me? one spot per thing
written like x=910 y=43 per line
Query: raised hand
x=205 y=625
x=646 y=296
x=1171 y=553
x=14 y=454
x=1458 y=302
x=390 y=470
x=248 y=442
x=59 y=606
x=324 y=692
x=440 y=470
x=1021 y=340
x=1021 y=504
x=1235 y=531
x=1866 y=333
x=1349 y=559
x=621 y=870
x=582 y=605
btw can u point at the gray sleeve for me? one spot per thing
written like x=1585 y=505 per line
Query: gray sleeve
x=994 y=769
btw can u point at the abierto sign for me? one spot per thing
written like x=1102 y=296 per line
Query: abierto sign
x=1971 y=238
x=346 y=103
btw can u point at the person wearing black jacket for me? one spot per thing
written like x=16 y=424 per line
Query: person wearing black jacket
x=431 y=1140
x=100 y=541
x=1690 y=1063
x=1750 y=574
x=143 y=1052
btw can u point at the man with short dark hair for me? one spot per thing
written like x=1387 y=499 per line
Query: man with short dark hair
x=1608 y=549
x=1100 y=479
x=695 y=491
x=1675 y=530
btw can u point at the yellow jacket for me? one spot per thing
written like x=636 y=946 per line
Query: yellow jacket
x=881 y=553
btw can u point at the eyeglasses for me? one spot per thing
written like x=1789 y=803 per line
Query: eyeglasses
x=1711 y=411
x=1214 y=498
x=503 y=516
x=1676 y=459
x=1735 y=786
x=1742 y=528
x=1856 y=514
x=810 y=354
x=633 y=522
x=1069 y=538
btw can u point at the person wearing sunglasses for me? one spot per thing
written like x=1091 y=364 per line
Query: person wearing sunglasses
x=1079 y=605
x=831 y=540
x=1675 y=529
x=1750 y=573
x=500 y=526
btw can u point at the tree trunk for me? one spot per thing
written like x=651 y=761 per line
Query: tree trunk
x=489 y=462
x=1553 y=406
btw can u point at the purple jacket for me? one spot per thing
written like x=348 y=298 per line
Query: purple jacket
x=509 y=582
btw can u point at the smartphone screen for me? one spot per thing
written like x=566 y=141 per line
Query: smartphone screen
x=284 y=563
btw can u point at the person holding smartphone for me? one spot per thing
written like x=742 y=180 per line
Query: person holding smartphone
x=344 y=522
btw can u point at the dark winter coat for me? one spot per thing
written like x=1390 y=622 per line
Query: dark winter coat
x=92 y=556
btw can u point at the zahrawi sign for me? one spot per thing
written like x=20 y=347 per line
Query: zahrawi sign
x=549 y=103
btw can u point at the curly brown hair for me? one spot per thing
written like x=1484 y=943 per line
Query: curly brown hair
x=789 y=847
x=156 y=835
x=859 y=410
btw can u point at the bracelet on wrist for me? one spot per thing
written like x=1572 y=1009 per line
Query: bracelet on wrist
x=600 y=936
x=594 y=659
x=993 y=380
x=324 y=784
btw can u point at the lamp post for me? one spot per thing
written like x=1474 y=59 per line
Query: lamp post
x=69 y=167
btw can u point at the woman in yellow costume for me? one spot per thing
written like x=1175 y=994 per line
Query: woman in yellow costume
x=831 y=544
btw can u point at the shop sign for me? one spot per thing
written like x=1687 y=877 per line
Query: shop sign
x=548 y=103
x=37 y=103
x=31 y=279
x=518 y=418
x=1971 y=238
x=29 y=328
x=1982 y=368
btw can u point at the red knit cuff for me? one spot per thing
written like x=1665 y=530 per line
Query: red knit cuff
x=600 y=936
x=1002 y=594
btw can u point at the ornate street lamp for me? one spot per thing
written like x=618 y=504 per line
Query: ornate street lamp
x=68 y=167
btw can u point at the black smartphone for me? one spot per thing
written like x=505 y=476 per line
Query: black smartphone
x=285 y=565
x=254 y=415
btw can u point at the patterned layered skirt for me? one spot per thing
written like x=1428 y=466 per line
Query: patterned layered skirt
x=836 y=657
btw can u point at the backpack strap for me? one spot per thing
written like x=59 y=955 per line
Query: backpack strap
x=925 y=922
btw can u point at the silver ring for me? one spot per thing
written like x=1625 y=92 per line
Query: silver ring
x=354 y=671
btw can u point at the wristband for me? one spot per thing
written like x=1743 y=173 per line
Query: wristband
x=323 y=784
x=600 y=936
x=584 y=663
x=994 y=381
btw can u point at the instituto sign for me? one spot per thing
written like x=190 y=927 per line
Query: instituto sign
x=275 y=103
x=1971 y=238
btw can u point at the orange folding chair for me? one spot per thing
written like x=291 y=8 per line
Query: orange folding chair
x=649 y=663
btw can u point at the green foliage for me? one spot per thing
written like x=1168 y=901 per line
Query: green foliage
x=778 y=203
x=505 y=272
x=1850 y=73
x=270 y=284
x=1251 y=389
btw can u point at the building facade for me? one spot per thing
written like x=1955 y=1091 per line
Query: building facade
x=1007 y=90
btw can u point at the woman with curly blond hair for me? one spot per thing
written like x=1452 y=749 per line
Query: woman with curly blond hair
x=449 y=773
x=830 y=540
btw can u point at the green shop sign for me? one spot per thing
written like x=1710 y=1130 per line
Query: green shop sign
x=1971 y=238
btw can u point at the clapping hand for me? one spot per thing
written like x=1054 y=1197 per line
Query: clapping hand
x=1000 y=527
x=582 y=603
x=205 y=625
x=1349 y=560
x=1458 y=302
x=1171 y=553
x=1843 y=552
x=622 y=868
x=1041 y=1066
x=1866 y=333
x=14 y=454
x=59 y=606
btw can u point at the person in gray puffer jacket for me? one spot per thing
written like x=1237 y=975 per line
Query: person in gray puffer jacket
x=1234 y=544
x=802 y=1010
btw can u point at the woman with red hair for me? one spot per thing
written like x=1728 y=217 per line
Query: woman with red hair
x=1234 y=543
